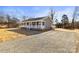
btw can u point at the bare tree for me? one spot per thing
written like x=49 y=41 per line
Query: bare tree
x=74 y=17
x=52 y=13
x=24 y=17
x=12 y=21
x=9 y=20
x=56 y=21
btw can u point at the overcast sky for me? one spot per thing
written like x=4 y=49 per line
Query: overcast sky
x=37 y=11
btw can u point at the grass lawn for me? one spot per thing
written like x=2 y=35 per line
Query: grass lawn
x=8 y=35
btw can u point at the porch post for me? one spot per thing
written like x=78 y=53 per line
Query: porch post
x=41 y=25
x=30 y=25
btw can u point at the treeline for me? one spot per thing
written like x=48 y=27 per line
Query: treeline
x=8 y=21
x=66 y=24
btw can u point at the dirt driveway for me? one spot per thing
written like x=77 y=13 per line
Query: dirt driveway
x=37 y=41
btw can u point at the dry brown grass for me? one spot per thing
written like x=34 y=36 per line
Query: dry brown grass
x=8 y=35
x=65 y=30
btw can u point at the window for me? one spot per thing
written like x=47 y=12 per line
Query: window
x=33 y=23
x=23 y=23
x=27 y=23
x=43 y=23
x=37 y=23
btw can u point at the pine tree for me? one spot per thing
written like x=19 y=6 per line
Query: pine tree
x=65 y=21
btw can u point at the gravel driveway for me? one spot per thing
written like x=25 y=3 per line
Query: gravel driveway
x=45 y=42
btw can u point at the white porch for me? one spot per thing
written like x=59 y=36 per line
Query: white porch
x=35 y=25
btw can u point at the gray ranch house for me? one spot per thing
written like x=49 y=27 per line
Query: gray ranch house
x=40 y=23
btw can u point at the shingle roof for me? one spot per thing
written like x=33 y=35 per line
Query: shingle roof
x=32 y=19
